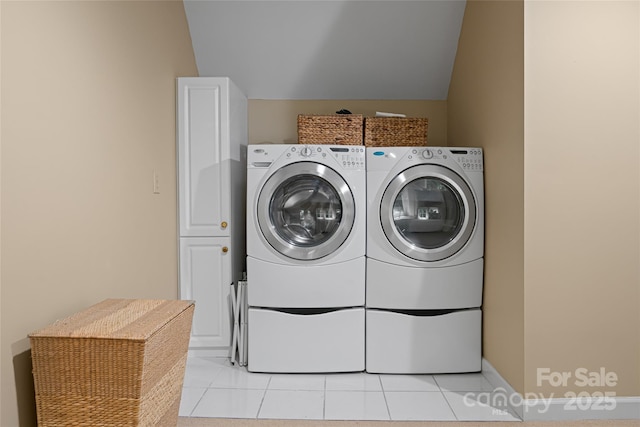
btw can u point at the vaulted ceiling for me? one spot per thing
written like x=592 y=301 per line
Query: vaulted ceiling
x=328 y=49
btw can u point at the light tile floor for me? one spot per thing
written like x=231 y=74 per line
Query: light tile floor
x=215 y=388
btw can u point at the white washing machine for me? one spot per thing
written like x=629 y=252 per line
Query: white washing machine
x=425 y=249
x=306 y=242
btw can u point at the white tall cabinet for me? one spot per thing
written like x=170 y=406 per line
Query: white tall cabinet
x=212 y=141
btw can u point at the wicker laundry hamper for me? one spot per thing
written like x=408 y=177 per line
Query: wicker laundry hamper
x=395 y=131
x=337 y=129
x=117 y=363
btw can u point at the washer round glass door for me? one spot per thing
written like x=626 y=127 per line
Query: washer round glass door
x=305 y=210
x=428 y=212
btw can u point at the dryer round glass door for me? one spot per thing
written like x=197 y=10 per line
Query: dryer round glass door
x=428 y=212
x=305 y=210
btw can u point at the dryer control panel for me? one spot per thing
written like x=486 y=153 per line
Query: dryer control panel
x=470 y=159
x=385 y=158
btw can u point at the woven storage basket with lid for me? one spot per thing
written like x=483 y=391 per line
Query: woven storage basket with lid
x=338 y=129
x=395 y=131
x=117 y=363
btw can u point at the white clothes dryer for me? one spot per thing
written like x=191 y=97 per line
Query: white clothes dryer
x=425 y=248
x=306 y=242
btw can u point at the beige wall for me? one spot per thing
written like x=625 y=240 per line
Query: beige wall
x=88 y=96
x=582 y=190
x=485 y=108
x=562 y=279
x=275 y=121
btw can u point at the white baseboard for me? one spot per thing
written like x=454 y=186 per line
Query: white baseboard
x=563 y=409
x=513 y=398
x=582 y=408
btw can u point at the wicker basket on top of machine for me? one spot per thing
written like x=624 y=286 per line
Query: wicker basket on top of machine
x=354 y=129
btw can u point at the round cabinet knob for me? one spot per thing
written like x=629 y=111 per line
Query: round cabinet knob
x=225 y=249
x=224 y=224
x=427 y=154
x=306 y=151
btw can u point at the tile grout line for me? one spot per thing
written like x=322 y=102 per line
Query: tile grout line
x=198 y=402
x=384 y=395
x=264 y=395
x=445 y=397
x=449 y=404
x=213 y=379
x=206 y=388
x=324 y=400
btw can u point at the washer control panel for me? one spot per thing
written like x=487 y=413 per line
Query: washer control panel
x=349 y=157
x=346 y=156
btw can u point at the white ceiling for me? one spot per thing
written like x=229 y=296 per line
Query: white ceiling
x=328 y=49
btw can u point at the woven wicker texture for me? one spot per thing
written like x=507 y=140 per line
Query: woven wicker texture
x=118 y=363
x=338 y=129
x=395 y=131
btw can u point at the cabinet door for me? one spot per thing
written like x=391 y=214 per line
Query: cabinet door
x=203 y=156
x=205 y=277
